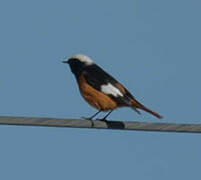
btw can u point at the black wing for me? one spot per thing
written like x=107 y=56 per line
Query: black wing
x=96 y=77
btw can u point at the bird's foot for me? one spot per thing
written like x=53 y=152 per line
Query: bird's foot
x=103 y=119
x=86 y=118
x=89 y=119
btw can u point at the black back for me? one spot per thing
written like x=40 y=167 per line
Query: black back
x=96 y=76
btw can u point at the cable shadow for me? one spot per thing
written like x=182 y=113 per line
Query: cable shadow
x=115 y=124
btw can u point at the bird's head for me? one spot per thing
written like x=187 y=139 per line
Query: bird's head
x=78 y=62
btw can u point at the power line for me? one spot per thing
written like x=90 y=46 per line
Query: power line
x=97 y=124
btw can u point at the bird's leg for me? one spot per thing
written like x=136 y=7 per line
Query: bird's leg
x=104 y=119
x=90 y=118
x=95 y=114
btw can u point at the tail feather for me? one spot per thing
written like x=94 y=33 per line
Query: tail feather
x=136 y=104
x=152 y=112
x=136 y=110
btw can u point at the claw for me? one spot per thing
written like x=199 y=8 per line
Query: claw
x=86 y=118
x=89 y=119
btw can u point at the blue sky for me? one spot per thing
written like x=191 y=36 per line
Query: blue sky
x=152 y=47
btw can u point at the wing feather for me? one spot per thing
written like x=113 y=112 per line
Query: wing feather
x=102 y=81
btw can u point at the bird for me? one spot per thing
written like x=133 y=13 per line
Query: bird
x=100 y=90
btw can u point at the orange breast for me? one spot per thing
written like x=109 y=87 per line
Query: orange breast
x=94 y=97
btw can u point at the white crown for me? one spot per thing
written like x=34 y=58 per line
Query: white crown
x=83 y=58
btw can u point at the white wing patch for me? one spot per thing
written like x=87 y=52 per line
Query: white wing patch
x=110 y=89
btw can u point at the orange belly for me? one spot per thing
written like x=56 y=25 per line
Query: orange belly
x=94 y=97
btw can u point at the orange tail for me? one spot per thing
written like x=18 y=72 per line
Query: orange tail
x=136 y=104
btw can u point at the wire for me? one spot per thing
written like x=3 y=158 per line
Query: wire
x=97 y=124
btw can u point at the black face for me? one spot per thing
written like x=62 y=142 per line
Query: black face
x=76 y=66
